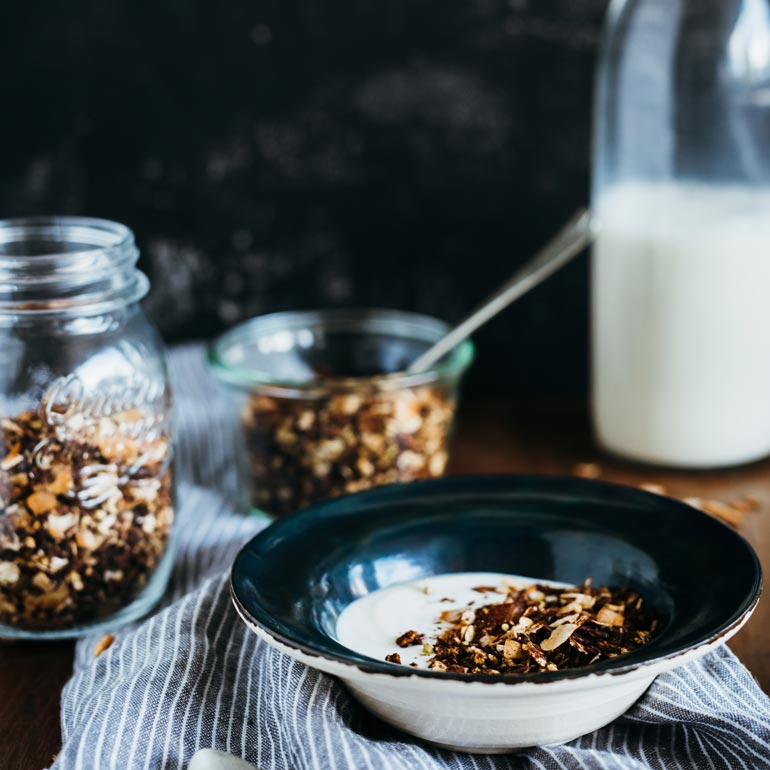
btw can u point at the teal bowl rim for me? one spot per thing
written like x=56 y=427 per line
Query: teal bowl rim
x=450 y=368
x=325 y=647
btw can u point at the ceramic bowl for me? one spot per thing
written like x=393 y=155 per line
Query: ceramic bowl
x=292 y=581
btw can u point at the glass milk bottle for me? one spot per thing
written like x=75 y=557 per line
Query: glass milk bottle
x=681 y=264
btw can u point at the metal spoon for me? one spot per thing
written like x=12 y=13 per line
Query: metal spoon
x=564 y=246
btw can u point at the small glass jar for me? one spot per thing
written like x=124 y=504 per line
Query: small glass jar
x=326 y=407
x=86 y=493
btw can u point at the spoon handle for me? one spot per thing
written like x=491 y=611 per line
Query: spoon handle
x=564 y=246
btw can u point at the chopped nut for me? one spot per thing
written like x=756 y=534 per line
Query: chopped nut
x=450 y=616
x=9 y=572
x=306 y=420
x=394 y=657
x=149 y=524
x=41 y=502
x=409 y=639
x=410 y=461
x=62 y=482
x=88 y=540
x=43 y=582
x=437 y=463
x=609 y=617
x=57 y=525
x=347 y=404
x=12 y=459
x=58 y=563
x=511 y=648
x=522 y=625
x=75 y=581
x=579 y=600
x=331 y=449
x=365 y=467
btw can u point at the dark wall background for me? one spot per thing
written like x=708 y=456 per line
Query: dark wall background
x=275 y=154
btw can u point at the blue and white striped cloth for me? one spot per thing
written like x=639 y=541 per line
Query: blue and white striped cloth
x=194 y=677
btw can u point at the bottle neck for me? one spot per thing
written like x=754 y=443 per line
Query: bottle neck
x=67 y=265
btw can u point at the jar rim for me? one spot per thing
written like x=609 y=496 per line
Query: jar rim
x=60 y=264
x=105 y=233
x=360 y=320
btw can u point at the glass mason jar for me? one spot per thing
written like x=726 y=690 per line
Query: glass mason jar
x=324 y=406
x=681 y=263
x=86 y=494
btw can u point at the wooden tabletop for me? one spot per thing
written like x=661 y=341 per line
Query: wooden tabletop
x=494 y=437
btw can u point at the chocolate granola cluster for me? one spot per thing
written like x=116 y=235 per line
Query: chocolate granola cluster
x=83 y=521
x=301 y=451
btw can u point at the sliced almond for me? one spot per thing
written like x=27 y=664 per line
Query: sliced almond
x=609 y=617
x=558 y=636
x=566 y=619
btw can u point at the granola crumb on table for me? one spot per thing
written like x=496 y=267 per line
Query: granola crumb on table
x=103 y=644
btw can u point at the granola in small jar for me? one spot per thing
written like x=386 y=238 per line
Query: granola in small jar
x=86 y=449
x=324 y=406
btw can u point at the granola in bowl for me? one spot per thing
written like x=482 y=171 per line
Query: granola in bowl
x=536 y=628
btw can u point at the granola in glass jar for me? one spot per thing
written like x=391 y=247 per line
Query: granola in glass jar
x=323 y=403
x=87 y=514
x=301 y=451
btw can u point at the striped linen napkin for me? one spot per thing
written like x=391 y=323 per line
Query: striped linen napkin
x=193 y=676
